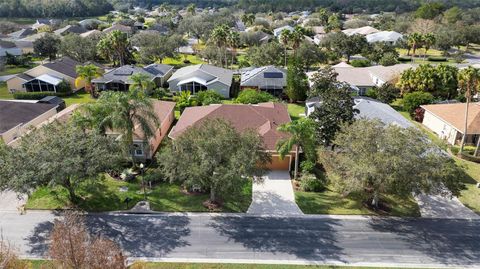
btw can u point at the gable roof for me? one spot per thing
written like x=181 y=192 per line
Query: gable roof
x=384 y=36
x=14 y=113
x=64 y=65
x=223 y=75
x=278 y=31
x=119 y=27
x=264 y=118
x=454 y=115
x=162 y=109
x=365 y=30
x=74 y=29
x=22 y=33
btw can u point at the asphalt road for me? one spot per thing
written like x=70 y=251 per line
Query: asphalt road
x=372 y=241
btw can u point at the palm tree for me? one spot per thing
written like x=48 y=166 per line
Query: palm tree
x=88 y=73
x=115 y=45
x=191 y=9
x=428 y=41
x=141 y=82
x=233 y=40
x=296 y=37
x=219 y=38
x=468 y=80
x=285 y=37
x=414 y=40
x=302 y=134
x=122 y=112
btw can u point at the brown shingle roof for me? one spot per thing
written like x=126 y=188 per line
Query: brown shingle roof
x=454 y=114
x=162 y=109
x=65 y=65
x=264 y=118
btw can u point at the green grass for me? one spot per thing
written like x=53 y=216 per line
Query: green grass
x=11 y=70
x=105 y=195
x=178 y=62
x=23 y=21
x=332 y=202
x=295 y=110
x=78 y=98
x=4 y=94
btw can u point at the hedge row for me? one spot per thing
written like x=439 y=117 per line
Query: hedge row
x=38 y=95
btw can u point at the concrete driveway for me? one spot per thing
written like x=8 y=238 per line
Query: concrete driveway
x=274 y=196
x=9 y=201
x=436 y=206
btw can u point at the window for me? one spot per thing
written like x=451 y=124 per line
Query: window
x=138 y=152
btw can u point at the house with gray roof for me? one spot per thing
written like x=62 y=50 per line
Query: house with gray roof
x=202 y=77
x=388 y=37
x=70 y=29
x=22 y=33
x=10 y=48
x=118 y=79
x=267 y=78
x=278 y=31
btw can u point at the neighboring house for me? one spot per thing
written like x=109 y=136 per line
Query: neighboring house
x=145 y=150
x=70 y=29
x=189 y=48
x=365 y=78
x=90 y=23
x=18 y=117
x=264 y=118
x=119 y=27
x=448 y=122
x=10 y=48
x=366 y=30
x=389 y=37
x=118 y=79
x=317 y=39
x=202 y=77
x=367 y=108
x=44 y=22
x=278 y=31
x=139 y=25
x=46 y=77
x=268 y=78
x=91 y=33
x=22 y=33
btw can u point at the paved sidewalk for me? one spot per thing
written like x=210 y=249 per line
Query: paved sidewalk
x=9 y=201
x=274 y=196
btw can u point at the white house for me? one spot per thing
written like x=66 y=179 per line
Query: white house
x=267 y=78
x=278 y=31
x=389 y=37
x=202 y=77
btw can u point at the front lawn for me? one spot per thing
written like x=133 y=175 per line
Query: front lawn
x=78 y=98
x=106 y=196
x=333 y=203
x=12 y=70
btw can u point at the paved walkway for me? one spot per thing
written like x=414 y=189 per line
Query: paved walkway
x=274 y=196
x=436 y=206
x=9 y=201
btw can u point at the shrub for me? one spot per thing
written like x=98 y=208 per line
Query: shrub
x=360 y=63
x=388 y=59
x=252 y=96
x=208 y=97
x=414 y=100
x=307 y=166
x=38 y=95
x=437 y=59
x=64 y=87
x=309 y=182
x=386 y=93
x=372 y=93
x=160 y=93
x=184 y=100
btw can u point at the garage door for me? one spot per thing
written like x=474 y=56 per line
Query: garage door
x=278 y=164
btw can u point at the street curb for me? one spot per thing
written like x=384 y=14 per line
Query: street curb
x=297 y=262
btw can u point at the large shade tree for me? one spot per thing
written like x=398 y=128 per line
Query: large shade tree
x=215 y=157
x=372 y=159
x=57 y=155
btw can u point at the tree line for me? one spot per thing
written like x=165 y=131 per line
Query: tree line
x=59 y=8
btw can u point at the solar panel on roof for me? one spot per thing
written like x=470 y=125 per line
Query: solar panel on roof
x=273 y=75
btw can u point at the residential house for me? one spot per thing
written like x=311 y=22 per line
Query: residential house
x=118 y=79
x=18 y=117
x=119 y=27
x=264 y=118
x=364 y=78
x=22 y=33
x=202 y=77
x=70 y=29
x=46 y=77
x=448 y=122
x=91 y=33
x=44 y=22
x=278 y=31
x=388 y=37
x=90 y=23
x=366 y=30
x=267 y=78
x=144 y=149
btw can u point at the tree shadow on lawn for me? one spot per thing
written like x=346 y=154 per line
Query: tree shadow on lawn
x=310 y=239
x=137 y=235
x=449 y=241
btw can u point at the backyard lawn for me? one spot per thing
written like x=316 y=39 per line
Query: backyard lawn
x=4 y=94
x=178 y=62
x=12 y=70
x=78 y=98
x=332 y=202
x=295 y=110
x=106 y=195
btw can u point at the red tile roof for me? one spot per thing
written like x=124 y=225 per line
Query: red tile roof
x=264 y=118
x=454 y=114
